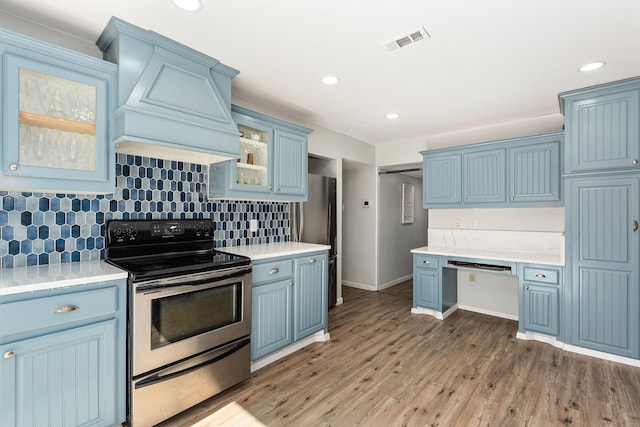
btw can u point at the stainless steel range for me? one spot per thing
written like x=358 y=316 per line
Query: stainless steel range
x=189 y=315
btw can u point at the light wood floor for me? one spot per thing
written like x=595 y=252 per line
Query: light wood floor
x=387 y=367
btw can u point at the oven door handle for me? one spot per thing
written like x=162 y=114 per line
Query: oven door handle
x=196 y=279
x=169 y=373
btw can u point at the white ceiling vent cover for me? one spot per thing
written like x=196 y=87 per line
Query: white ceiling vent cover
x=406 y=39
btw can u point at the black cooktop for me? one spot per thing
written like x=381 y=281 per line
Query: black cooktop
x=150 y=249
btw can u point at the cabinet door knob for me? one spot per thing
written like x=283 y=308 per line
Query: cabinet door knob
x=513 y=198
x=13 y=167
x=465 y=200
x=312 y=260
x=457 y=200
x=526 y=288
x=277 y=188
x=435 y=274
x=270 y=188
x=291 y=283
x=540 y=275
x=8 y=355
x=635 y=225
x=66 y=308
x=274 y=271
x=635 y=161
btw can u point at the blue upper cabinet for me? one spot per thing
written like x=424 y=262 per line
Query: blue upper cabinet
x=56 y=110
x=273 y=161
x=603 y=127
x=509 y=173
x=483 y=176
x=442 y=179
x=534 y=171
x=172 y=100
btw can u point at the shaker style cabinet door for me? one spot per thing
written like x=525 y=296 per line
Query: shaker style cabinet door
x=603 y=128
x=64 y=379
x=426 y=289
x=602 y=228
x=56 y=111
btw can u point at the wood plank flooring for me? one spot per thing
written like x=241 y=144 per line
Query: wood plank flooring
x=387 y=367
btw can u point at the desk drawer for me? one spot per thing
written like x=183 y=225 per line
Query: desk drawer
x=427 y=261
x=40 y=313
x=270 y=271
x=542 y=275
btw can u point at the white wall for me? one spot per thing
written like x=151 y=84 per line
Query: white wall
x=395 y=240
x=401 y=152
x=359 y=228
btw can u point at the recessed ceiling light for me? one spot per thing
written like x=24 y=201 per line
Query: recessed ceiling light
x=330 y=80
x=393 y=116
x=591 y=66
x=189 y=5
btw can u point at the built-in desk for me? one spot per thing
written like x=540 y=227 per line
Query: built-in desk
x=535 y=258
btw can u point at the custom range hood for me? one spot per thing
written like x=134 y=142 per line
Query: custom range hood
x=173 y=102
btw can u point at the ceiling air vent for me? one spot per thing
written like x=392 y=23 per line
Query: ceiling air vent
x=407 y=39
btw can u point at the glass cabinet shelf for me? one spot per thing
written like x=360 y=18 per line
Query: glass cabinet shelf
x=252 y=167
x=55 y=123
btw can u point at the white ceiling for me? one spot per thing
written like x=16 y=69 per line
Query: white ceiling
x=486 y=62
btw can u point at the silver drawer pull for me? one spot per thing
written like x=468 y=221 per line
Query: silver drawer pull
x=426 y=262
x=312 y=260
x=274 y=271
x=541 y=275
x=66 y=308
x=8 y=355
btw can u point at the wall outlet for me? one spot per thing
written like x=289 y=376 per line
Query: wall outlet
x=253 y=225
x=457 y=223
x=472 y=277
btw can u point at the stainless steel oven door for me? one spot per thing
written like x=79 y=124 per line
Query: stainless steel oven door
x=178 y=317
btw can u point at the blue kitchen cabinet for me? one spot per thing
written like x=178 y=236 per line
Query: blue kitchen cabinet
x=289 y=301
x=310 y=294
x=539 y=298
x=64 y=356
x=56 y=118
x=271 y=317
x=273 y=161
x=602 y=300
x=535 y=170
x=603 y=127
x=483 y=176
x=442 y=180
x=427 y=283
x=517 y=172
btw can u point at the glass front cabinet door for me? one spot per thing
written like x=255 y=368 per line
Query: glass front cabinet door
x=56 y=109
x=252 y=168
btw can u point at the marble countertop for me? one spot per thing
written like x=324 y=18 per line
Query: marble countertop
x=51 y=276
x=270 y=250
x=510 y=255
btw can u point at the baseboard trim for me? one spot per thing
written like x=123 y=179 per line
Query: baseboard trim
x=534 y=336
x=395 y=282
x=320 y=336
x=489 y=312
x=359 y=286
x=437 y=314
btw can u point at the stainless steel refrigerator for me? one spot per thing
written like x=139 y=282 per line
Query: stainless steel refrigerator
x=314 y=221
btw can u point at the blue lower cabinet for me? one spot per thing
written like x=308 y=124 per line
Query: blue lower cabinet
x=539 y=298
x=603 y=296
x=289 y=301
x=427 y=283
x=271 y=317
x=63 y=358
x=67 y=378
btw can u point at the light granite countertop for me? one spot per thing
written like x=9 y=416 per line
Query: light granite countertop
x=271 y=250
x=51 y=276
x=510 y=255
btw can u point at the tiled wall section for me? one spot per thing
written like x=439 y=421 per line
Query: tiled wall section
x=37 y=228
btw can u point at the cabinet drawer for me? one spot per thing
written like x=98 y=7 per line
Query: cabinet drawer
x=39 y=313
x=270 y=271
x=542 y=275
x=427 y=261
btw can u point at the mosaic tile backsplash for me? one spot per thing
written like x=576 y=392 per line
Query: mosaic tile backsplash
x=43 y=228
